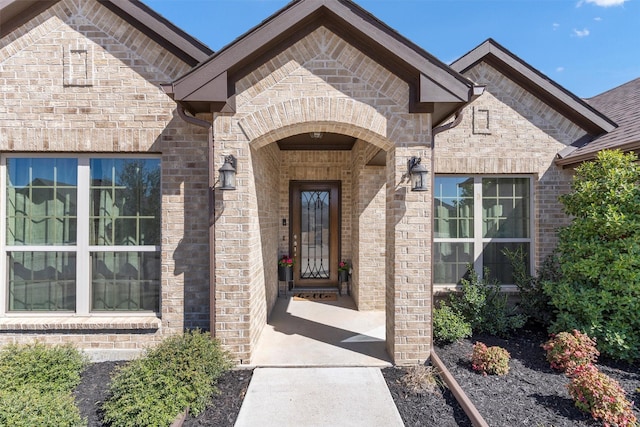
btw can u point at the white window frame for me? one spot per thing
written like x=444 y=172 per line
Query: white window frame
x=479 y=242
x=82 y=248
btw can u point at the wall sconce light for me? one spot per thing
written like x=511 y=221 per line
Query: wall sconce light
x=228 y=173
x=316 y=135
x=418 y=173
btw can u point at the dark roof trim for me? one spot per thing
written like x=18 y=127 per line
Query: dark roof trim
x=436 y=87
x=159 y=29
x=14 y=13
x=554 y=95
x=573 y=160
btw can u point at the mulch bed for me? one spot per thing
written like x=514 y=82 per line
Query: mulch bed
x=530 y=395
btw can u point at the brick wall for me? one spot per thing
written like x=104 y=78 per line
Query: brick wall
x=509 y=131
x=79 y=79
x=323 y=84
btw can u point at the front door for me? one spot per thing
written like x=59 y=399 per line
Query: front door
x=315 y=238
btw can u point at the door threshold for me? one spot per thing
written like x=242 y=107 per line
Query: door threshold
x=328 y=289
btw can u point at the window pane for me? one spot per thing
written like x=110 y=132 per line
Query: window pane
x=41 y=201
x=453 y=207
x=42 y=281
x=125 y=281
x=452 y=261
x=498 y=264
x=505 y=207
x=125 y=202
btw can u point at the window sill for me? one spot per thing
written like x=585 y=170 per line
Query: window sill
x=9 y=324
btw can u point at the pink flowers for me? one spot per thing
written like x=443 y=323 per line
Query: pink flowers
x=285 y=261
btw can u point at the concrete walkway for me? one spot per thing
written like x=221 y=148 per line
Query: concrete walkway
x=318 y=364
x=327 y=333
x=305 y=397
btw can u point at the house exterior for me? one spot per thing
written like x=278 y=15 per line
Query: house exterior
x=116 y=231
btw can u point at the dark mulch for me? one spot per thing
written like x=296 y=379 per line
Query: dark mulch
x=427 y=409
x=222 y=411
x=530 y=395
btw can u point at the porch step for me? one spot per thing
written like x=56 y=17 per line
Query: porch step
x=327 y=289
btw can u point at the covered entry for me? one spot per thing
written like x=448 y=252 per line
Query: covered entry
x=322 y=67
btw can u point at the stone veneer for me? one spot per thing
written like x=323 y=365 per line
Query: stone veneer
x=119 y=108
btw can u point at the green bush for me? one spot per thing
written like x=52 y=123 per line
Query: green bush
x=482 y=303
x=36 y=382
x=534 y=304
x=490 y=360
x=180 y=372
x=46 y=368
x=448 y=325
x=602 y=396
x=28 y=406
x=599 y=254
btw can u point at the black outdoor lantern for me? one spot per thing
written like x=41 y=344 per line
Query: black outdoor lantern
x=228 y=173
x=418 y=174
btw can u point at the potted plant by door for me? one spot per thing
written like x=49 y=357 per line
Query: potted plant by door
x=343 y=271
x=285 y=269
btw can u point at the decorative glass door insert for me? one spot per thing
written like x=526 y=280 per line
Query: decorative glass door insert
x=314 y=237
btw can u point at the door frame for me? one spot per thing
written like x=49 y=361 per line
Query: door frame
x=334 y=188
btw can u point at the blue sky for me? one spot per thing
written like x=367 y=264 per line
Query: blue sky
x=587 y=46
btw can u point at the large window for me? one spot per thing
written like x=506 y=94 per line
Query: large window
x=81 y=234
x=475 y=219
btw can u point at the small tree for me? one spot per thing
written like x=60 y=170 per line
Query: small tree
x=599 y=254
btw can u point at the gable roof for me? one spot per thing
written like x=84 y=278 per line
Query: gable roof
x=541 y=86
x=435 y=87
x=14 y=13
x=622 y=104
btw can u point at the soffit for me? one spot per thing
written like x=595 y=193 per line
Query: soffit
x=435 y=87
x=542 y=87
x=323 y=141
x=14 y=13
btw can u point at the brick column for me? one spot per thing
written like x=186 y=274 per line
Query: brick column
x=408 y=306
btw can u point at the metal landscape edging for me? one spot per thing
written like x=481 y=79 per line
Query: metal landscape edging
x=466 y=404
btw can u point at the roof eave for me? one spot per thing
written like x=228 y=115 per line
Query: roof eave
x=433 y=82
x=574 y=160
x=563 y=101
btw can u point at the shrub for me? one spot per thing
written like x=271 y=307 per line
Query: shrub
x=568 y=350
x=29 y=406
x=599 y=255
x=180 y=372
x=534 y=304
x=483 y=304
x=448 y=325
x=36 y=382
x=602 y=396
x=490 y=360
x=44 y=367
x=422 y=379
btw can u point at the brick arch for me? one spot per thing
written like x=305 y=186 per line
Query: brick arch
x=316 y=114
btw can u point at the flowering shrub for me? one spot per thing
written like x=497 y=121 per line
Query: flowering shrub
x=568 y=350
x=602 y=396
x=343 y=266
x=490 y=360
x=285 y=261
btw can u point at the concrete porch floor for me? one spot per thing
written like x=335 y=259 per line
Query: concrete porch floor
x=321 y=334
